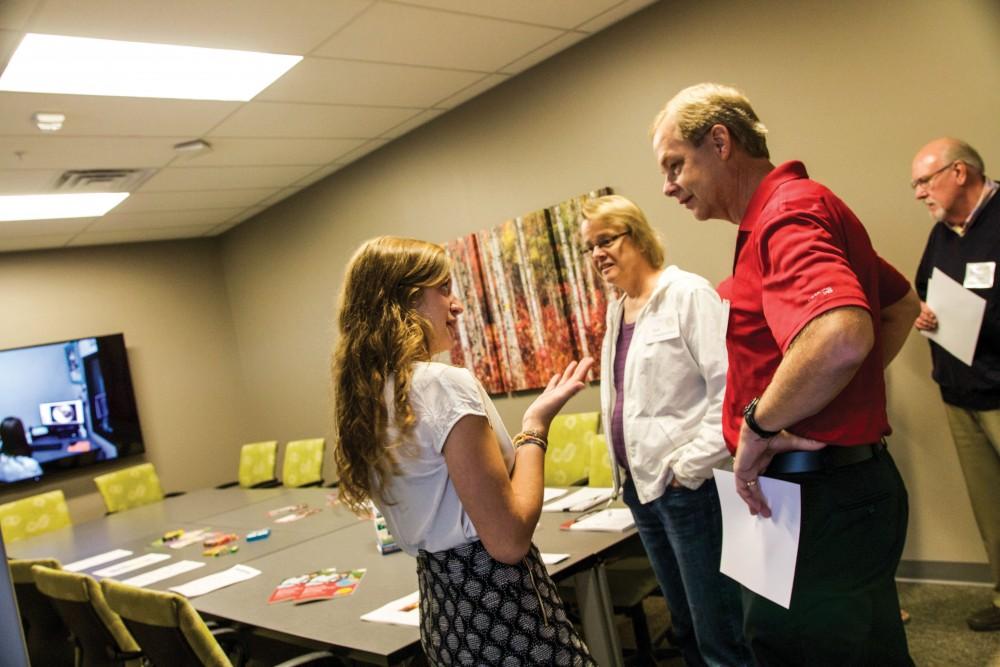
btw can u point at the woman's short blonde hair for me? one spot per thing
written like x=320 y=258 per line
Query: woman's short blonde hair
x=622 y=214
x=697 y=108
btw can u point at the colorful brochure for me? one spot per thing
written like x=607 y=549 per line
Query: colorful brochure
x=320 y=585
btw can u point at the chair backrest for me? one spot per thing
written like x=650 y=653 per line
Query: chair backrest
x=571 y=437
x=257 y=463
x=129 y=487
x=45 y=633
x=600 y=463
x=168 y=628
x=98 y=632
x=34 y=515
x=303 y=464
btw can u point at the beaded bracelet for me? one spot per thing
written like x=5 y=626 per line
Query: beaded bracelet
x=530 y=438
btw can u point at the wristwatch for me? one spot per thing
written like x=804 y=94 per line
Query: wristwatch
x=748 y=419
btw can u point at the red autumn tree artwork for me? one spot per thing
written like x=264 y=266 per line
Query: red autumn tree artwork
x=533 y=302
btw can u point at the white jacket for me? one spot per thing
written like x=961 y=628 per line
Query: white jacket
x=675 y=378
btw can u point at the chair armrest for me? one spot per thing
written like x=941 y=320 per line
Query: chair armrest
x=316 y=483
x=227 y=485
x=269 y=484
x=334 y=484
x=316 y=658
x=583 y=481
x=174 y=493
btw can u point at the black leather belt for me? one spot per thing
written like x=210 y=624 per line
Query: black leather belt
x=828 y=458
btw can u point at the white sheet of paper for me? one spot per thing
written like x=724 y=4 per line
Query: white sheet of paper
x=757 y=552
x=130 y=565
x=613 y=520
x=959 y=314
x=551 y=493
x=404 y=611
x=214 y=582
x=99 y=559
x=579 y=501
x=552 y=559
x=165 y=572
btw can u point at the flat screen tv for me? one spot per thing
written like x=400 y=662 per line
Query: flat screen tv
x=64 y=406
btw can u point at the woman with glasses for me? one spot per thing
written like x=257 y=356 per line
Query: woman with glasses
x=663 y=375
x=423 y=441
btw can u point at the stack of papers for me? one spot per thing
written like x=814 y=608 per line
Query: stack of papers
x=214 y=582
x=609 y=521
x=404 y=611
x=580 y=501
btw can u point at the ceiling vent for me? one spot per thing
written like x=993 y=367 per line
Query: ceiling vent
x=102 y=180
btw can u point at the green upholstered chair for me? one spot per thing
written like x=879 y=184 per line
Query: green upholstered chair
x=100 y=637
x=571 y=437
x=600 y=463
x=303 y=464
x=258 y=461
x=34 y=515
x=171 y=632
x=46 y=635
x=129 y=487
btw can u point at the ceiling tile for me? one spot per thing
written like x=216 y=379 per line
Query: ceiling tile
x=15 y=244
x=229 y=152
x=362 y=150
x=58 y=152
x=273 y=119
x=350 y=82
x=413 y=123
x=475 y=89
x=91 y=115
x=554 y=14
x=115 y=221
x=318 y=175
x=615 y=14
x=180 y=201
x=279 y=196
x=20 y=228
x=173 y=179
x=14 y=13
x=138 y=235
x=542 y=53
x=289 y=26
x=27 y=181
x=417 y=36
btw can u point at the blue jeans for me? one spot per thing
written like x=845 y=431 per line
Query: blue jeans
x=682 y=534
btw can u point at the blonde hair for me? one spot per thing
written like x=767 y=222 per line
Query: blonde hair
x=381 y=335
x=697 y=108
x=623 y=214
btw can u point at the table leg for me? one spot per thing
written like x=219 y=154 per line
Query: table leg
x=597 y=616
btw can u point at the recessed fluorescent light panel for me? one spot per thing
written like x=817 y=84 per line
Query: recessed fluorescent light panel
x=51 y=207
x=85 y=66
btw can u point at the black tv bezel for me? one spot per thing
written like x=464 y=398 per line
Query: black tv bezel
x=60 y=473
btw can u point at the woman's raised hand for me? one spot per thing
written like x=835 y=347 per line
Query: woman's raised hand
x=560 y=389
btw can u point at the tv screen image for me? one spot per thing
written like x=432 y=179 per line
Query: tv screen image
x=65 y=405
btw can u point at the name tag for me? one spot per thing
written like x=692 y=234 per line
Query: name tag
x=979 y=275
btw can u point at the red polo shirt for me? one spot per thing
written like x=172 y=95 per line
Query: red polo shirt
x=801 y=252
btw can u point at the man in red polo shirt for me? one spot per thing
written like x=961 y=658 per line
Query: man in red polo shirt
x=815 y=316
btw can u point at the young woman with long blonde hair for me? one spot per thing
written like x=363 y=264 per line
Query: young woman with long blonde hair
x=424 y=443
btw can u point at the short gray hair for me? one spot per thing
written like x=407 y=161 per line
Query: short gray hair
x=697 y=108
x=959 y=151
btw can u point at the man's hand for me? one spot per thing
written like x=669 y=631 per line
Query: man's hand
x=754 y=454
x=927 y=320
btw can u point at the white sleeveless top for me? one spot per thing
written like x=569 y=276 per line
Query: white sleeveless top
x=425 y=512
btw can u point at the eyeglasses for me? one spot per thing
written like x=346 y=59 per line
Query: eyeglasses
x=925 y=181
x=603 y=243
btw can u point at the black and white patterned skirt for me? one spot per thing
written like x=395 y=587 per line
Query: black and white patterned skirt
x=475 y=610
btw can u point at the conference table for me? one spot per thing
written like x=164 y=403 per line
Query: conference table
x=331 y=537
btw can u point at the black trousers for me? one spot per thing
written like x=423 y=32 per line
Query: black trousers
x=844 y=608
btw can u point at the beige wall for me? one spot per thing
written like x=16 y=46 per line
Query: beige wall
x=852 y=90
x=168 y=300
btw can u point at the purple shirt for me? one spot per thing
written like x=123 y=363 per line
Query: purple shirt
x=617 y=430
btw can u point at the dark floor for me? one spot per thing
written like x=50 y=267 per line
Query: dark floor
x=937 y=632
